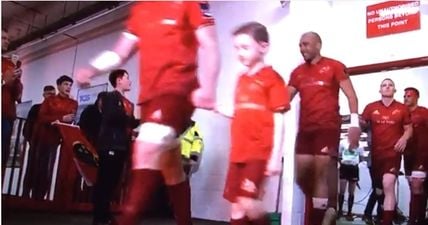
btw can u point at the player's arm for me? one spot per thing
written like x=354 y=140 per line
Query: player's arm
x=292 y=92
x=124 y=48
x=402 y=142
x=348 y=89
x=354 y=131
x=280 y=103
x=209 y=59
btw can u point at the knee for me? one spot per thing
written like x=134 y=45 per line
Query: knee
x=388 y=187
x=237 y=211
x=253 y=208
x=320 y=203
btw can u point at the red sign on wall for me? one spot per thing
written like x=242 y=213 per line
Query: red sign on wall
x=392 y=17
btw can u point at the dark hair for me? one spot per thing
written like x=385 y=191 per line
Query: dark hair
x=256 y=30
x=62 y=79
x=48 y=88
x=412 y=89
x=119 y=73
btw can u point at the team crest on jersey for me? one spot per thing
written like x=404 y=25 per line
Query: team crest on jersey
x=324 y=69
x=205 y=9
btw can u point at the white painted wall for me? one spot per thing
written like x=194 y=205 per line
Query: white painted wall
x=341 y=24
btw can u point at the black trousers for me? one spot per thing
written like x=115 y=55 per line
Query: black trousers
x=111 y=167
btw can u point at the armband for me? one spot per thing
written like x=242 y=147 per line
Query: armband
x=355 y=121
x=106 y=60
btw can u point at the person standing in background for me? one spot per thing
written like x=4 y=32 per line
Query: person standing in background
x=113 y=143
x=192 y=145
x=58 y=108
x=28 y=132
x=348 y=174
x=90 y=120
x=391 y=129
x=416 y=157
x=11 y=93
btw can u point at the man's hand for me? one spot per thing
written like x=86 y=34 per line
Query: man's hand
x=83 y=77
x=273 y=168
x=17 y=73
x=68 y=118
x=203 y=99
x=354 y=137
x=400 y=145
x=9 y=76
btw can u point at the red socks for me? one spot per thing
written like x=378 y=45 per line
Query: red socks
x=387 y=217
x=179 y=195
x=142 y=185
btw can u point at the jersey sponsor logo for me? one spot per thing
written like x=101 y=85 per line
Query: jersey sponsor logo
x=205 y=9
x=248 y=186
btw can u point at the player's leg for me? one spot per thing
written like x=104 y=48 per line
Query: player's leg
x=231 y=190
x=250 y=188
x=155 y=138
x=351 y=191
x=342 y=188
x=177 y=113
x=417 y=198
x=391 y=167
x=326 y=143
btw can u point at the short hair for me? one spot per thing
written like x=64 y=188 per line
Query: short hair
x=412 y=89
x=315 y=34
x=62 y=79
x=119 y=73
x=48 y=88
x=256 y=30
x=386 y=80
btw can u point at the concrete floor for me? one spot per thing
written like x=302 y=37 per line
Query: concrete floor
x=39 y=218
x=42 y=218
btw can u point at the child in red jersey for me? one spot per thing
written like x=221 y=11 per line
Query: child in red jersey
x=261 y=99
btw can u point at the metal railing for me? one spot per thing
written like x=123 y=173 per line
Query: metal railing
x=67 y=192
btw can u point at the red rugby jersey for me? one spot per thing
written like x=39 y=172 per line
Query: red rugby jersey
x=318 y=86
x=387 y=126
x=257 y=97
x=168 y=45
